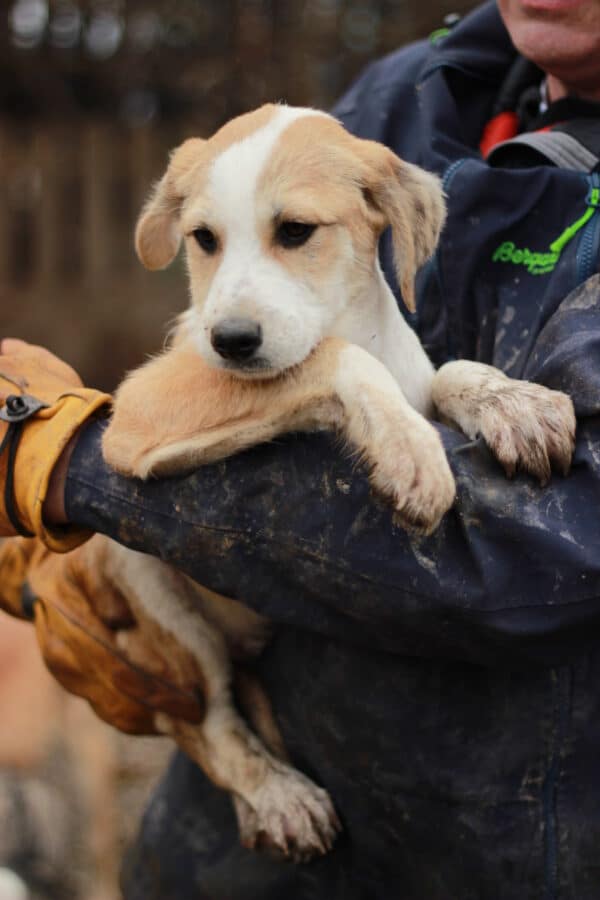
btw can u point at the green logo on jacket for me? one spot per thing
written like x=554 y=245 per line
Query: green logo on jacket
x=535 y=263
x=538 y=263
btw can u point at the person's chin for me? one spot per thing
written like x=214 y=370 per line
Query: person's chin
x=550 y=7
x=549 y=33
x=545 y=22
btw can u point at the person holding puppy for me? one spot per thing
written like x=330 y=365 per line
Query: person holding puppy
x=444 y=690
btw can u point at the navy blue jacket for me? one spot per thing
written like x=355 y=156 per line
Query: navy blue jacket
x=445 y=690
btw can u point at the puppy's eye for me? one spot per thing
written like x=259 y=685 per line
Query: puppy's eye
x=293 y=234
x=206 y=239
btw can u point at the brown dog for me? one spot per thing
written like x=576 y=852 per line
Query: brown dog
x=292 y=326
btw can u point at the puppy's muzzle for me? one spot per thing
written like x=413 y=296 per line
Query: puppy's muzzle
x=236 y=339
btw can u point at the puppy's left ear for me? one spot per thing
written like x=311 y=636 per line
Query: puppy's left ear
x=157 y=234
x=411 y=201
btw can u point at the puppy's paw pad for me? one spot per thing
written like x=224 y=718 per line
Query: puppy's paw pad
x=290 y=815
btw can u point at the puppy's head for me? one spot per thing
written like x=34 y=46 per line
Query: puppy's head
x=281 y=212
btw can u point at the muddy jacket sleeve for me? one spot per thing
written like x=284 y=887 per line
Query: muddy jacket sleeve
x=292 y=529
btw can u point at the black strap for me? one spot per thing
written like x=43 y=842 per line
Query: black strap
x=561 y=147
x=571 y=110
x=17 y=409
x=15 y=430
x=521 y=76
x=570 y=138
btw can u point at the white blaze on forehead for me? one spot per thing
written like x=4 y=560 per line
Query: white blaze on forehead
x=250 y=282
x=235 y=173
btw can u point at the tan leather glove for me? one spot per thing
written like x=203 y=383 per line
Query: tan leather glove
x=43 y=403
x=77 y=612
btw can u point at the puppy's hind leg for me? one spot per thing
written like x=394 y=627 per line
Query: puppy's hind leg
x=277 y=805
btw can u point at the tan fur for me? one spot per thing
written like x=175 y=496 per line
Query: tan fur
x=176 y=634
x=339 y=178
x=178 y=411
x=525 y=425
x=157 y=238
x=225 y=415
x=372 y=189
x=340 y=386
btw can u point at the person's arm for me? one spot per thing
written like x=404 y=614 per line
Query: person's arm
x=76 y=610
x=511 y=576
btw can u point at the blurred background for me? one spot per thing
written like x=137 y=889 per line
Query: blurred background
x=93 y=94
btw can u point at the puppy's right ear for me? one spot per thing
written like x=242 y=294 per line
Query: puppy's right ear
x=157 y=234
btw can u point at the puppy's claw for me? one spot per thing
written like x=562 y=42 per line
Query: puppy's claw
x=413 y=472
x=289 y=815
x=531 y=428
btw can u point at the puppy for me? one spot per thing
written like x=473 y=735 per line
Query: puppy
x=292 y=326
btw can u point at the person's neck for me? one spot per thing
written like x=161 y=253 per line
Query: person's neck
x=558 y=89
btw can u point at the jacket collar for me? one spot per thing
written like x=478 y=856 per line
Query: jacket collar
x=478 y=45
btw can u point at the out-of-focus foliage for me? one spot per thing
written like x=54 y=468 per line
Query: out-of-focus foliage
x=94 y=93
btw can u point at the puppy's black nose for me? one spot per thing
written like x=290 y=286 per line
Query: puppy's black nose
x=236 y=339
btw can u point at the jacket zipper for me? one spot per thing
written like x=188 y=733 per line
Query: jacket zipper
x=589 y=245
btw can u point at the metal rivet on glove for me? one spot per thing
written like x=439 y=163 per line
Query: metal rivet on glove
x=18 y=407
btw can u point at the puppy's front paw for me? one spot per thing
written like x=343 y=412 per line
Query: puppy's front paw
x=288 y=814
x=528 y=427
x=412 y=471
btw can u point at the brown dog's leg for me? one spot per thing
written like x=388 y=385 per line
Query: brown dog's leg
x=257 y=708
x=403 y=450
x=525 y=425
x=339 y=386
x=282 y=807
